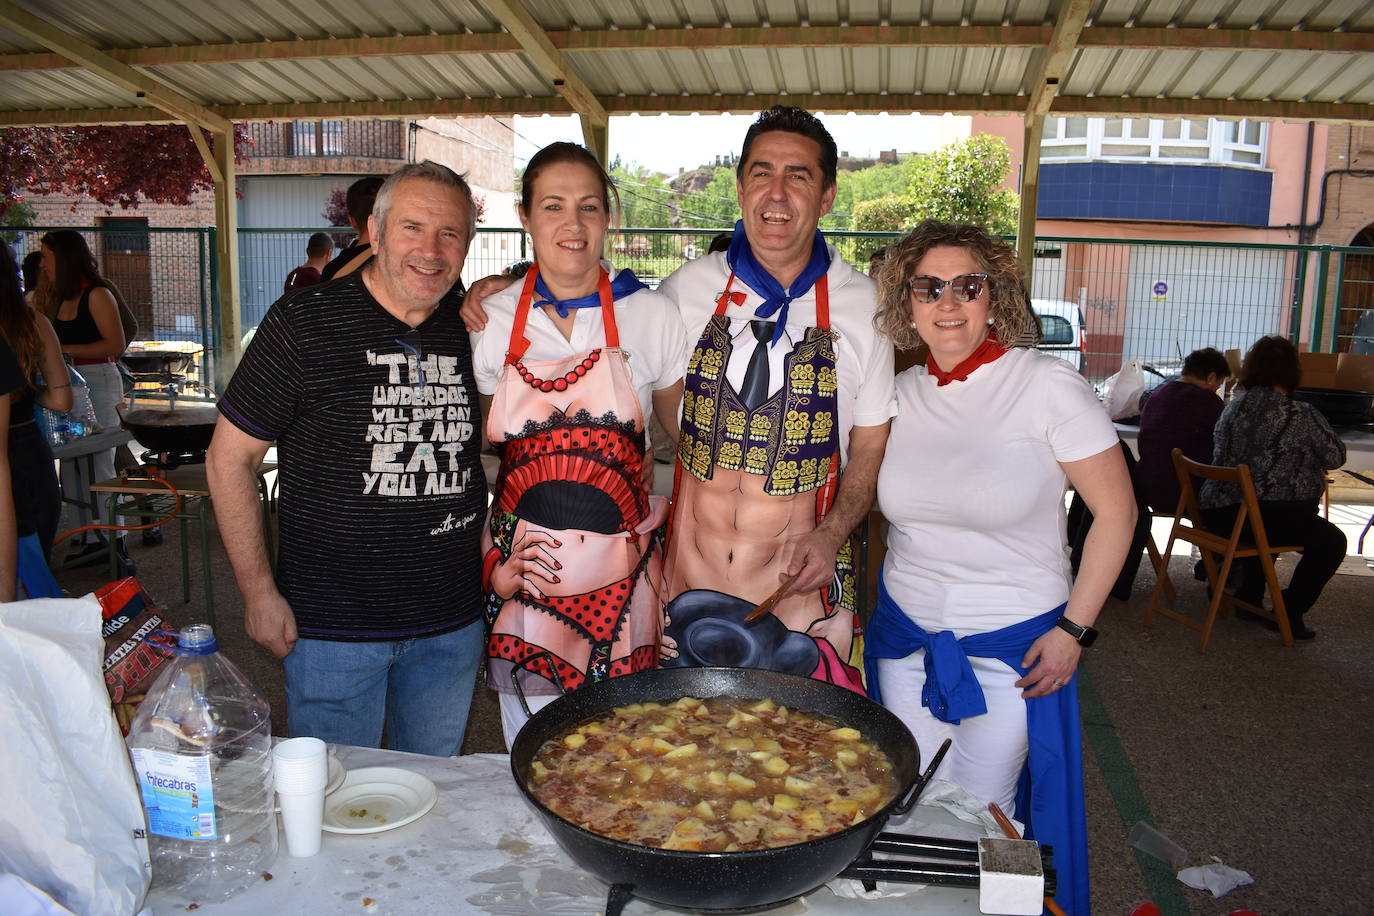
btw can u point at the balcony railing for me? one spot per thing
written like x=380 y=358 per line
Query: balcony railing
x=297 y=139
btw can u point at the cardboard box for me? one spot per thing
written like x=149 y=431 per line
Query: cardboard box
x=1355 y=372
x=1319 y=369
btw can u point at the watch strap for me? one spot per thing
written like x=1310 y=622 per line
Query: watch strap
x=1085 y=636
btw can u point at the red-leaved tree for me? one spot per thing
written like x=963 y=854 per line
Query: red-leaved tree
x=111 y=165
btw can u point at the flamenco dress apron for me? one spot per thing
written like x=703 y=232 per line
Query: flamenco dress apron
x=572 y=577
x=746 y=481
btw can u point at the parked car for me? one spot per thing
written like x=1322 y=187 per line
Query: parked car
x=1061 y=330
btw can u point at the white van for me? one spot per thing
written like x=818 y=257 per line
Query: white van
x=1062 y=330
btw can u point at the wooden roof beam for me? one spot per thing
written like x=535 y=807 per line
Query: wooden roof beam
x=97 y=61
x=1058 y=56
x=1271 y=109
x=549 y=61
x=975 y=36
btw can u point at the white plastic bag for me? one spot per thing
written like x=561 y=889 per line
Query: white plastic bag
x=1123 y=391
x=73 y=824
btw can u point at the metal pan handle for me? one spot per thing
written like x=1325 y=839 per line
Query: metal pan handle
x=910 y=801
x=525 y=663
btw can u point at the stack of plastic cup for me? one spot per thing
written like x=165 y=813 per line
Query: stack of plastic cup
x=300 y=770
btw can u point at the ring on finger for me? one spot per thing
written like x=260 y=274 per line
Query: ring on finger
x=1059 y=683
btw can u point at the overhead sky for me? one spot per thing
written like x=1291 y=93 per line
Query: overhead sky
x=666 y=143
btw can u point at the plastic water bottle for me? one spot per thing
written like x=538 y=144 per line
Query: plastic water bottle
x=61 y=428
x=201 y=744
x=82 y=421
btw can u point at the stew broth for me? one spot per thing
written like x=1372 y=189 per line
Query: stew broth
x=714 y=775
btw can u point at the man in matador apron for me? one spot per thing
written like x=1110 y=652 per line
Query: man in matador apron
x=788 y=394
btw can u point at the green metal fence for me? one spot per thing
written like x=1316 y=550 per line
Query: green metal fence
x=1140 y=299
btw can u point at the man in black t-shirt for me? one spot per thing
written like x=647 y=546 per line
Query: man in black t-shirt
x=365 y=385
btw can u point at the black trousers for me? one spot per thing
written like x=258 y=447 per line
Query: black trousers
x=37 y=498
x=1288 y=524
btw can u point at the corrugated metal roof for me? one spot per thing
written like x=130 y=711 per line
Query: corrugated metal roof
x=342 y=58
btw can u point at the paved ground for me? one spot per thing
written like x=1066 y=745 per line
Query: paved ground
x=1252 y=752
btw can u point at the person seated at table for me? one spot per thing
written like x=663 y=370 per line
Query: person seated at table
x=572 y=361
x=37 y=499
x=979 y=629
x=86 y=316
x=1289 y=447
x=1179 y=414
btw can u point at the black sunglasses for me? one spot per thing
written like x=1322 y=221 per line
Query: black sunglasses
x=414 y=346
x=964 y=288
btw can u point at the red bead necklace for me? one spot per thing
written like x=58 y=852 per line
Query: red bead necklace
x=561 y=383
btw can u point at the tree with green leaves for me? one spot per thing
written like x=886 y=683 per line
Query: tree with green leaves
x=716 y=205
x=862 y=185
x=960 y=182
x=645 y=198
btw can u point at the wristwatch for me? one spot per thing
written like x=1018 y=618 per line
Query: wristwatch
x=1086 y=636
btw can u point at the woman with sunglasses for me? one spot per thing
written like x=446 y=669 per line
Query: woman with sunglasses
x=570 y=363
x=979 y=629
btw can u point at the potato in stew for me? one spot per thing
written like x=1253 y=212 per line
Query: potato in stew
x=713 y=775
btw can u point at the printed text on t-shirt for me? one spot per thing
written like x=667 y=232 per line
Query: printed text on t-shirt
x=421 y=422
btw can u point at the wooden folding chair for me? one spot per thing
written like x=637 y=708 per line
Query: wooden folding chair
x=1246 y=539
x=1157 y=560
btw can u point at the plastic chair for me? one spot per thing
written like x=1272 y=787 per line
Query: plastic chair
x=1246 y=539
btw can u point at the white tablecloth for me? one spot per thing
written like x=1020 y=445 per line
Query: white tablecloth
x=482 y=850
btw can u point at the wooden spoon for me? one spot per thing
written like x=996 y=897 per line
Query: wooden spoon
x=772 y=600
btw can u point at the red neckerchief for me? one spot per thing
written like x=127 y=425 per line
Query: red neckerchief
x=990 y=349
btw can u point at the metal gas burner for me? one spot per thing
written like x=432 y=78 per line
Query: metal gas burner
x=957 y=866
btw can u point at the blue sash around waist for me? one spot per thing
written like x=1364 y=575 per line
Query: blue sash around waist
x=1049 y=794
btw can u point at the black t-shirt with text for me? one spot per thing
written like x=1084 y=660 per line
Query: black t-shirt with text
x=382 y=491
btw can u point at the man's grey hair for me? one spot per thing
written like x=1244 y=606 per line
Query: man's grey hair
x=429 y=171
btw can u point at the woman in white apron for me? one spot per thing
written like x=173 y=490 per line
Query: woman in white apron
x=570 y=363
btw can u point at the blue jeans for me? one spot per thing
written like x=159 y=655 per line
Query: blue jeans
x=343 y=692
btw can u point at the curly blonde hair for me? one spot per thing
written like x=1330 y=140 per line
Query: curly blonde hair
x=1008 y=305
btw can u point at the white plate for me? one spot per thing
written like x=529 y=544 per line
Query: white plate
x=373 y=799
x=336 y=775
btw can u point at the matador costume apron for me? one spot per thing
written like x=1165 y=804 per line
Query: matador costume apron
x=570 y=564
x=746 y=481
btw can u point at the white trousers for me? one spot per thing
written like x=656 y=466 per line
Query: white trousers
x=988 y=750
x=513 y=716
x=106 y=390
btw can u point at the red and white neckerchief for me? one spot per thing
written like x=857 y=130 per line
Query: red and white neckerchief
x=989 y=350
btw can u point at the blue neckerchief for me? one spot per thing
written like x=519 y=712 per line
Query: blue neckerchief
x=624 y=284
x=776 y=300
x=1049 y=795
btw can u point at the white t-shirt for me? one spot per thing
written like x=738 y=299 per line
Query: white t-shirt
x=863 y=356
x=974 y=495
x=649 y=327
